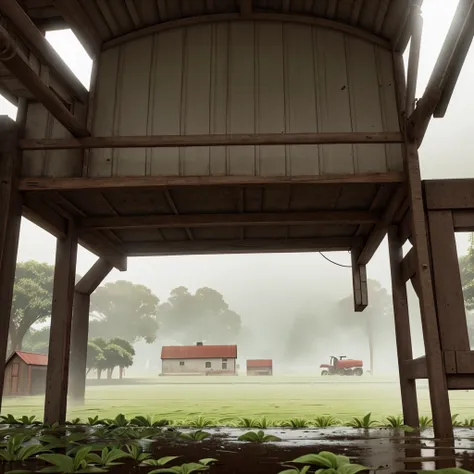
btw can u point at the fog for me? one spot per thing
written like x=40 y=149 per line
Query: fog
x=291 y=305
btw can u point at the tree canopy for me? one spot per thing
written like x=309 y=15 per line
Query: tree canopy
x=32 y=297
x=107 y=355
x=125 y=310
x=202 y=316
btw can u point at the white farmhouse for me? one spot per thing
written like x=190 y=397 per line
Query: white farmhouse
x=199 y=360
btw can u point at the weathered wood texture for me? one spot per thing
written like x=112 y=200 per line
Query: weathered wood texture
x=80 y=327
x=10 y=217
x=60 y=333
x=214 y=140
x=243 y=78
x=434 y=358
x=402 y=330
x=79 y=336
x=359 y=283
x=447 y=280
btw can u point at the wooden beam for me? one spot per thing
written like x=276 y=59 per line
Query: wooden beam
x=443 y=426
x=81 y=25
x=79 y=337
x=380 y=17
x=404 y=230
x=408 y=265
x=94 y=277
x=402 y=330
x=449 y=194
x=172 y=205
x=42 y=48
x=60 y=334
x=255 y=16
x=447 y=280
x=62 y=184
x=208 y=247
x=380 y=229
x=80 y=327
x=36 y=211
x=413 y=60
x=465 y=362
x=463 y=221
x=242 y=139
x=228 y=220
x=359 y=282
x=419 y=120
x=460 y=382
x=245 y=7
x=10 y=220
x=416 y=368
x=19 y=67
x=100 y=246
x=452 y=55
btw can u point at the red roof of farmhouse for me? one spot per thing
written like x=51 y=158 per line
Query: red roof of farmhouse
x=259 y=363
x=31 y=358
x=199 y=352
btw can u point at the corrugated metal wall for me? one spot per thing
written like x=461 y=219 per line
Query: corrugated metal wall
x=239 y=77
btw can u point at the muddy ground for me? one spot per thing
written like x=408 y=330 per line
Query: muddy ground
x=378 y=448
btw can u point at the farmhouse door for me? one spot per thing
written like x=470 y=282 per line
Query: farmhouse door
x=15 y=373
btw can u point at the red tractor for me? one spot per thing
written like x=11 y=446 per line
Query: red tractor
x=342 y=366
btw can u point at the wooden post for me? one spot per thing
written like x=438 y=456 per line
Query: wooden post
x=79 y=337
x=80 y=327
x=447 y=280
x=10 y=220
x=443 y=426
x=402 y=330
x=60 y=334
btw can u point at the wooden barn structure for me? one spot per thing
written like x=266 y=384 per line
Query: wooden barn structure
x=25 y=374
x=235 y=126
x=259 y=367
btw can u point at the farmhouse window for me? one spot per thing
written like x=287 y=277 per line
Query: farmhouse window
x=224 y=360
x=208 y=365
x=181 y=363
x=224 y=365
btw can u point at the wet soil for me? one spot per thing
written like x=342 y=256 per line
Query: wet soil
x=395 y=451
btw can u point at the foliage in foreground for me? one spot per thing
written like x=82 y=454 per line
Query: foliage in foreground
x=324 y=462
x=258 y=437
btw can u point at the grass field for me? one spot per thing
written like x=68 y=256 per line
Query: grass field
x=277 y=398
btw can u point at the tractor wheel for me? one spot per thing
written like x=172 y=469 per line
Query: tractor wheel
x=358 y=372
x=324 y=372
x=341 y=372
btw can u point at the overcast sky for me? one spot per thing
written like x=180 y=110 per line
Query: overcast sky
x=277 y=281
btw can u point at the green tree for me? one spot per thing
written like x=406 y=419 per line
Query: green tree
x=32 y=297
x=95 y=355
x=125 y=310
x=203 y=316
x=126 y=361
x=466 y=267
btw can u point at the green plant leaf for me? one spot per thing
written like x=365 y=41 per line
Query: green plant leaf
x=314 y=459
x=65 y=463
x=207 y=461
x=331 y=457
x=352 y=469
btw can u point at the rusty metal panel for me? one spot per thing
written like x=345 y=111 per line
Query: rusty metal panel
x=245 y=77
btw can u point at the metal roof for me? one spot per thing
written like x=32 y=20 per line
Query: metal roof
x=257 y=363
x=30 y=358
x=199 y=352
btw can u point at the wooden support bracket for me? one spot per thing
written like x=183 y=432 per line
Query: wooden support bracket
x=409 y=265
x=94 y=277
x=359 y=282
x=41 y=47
x=19 y=67
x=380 y=229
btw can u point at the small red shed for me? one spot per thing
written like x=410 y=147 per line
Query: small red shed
x=25 y=374
x=260 y=367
